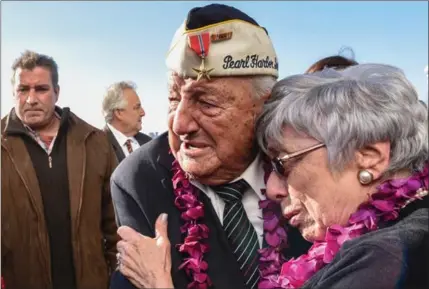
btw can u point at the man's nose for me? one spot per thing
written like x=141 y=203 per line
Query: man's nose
x=142 y=112
x=183 y=122
x=276 y=187
x=31 y=97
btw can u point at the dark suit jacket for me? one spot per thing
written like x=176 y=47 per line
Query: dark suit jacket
x=140 y=137
x=142 y=189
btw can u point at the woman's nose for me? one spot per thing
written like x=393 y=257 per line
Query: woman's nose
x=276 y=188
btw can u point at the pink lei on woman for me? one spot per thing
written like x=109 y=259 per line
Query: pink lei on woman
x=276 y=272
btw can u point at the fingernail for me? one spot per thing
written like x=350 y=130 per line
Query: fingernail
x=164 y=217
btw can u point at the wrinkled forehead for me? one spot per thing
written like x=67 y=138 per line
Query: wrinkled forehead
x=36 y=76
x=216 y=85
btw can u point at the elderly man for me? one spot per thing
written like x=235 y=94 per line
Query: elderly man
x=206 y=172
x=58 y=224
x=123 y=113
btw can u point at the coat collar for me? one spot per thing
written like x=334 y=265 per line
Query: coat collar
x=13 y=145
x=142 y=138
x=116 y=146
x=162 y=146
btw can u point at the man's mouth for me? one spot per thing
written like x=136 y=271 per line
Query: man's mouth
x=194 y=149
x=33 y=110
x=194 y=146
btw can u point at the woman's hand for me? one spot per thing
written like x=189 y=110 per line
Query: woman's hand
x=146 y=261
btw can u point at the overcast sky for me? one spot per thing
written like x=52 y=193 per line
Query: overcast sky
x=97 y=43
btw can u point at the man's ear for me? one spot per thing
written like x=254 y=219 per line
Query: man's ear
x=266 y=96
x=258 y=106
x=374 y=158
x=117 y=114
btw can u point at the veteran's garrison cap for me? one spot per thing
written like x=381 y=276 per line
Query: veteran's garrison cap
x=219 y=40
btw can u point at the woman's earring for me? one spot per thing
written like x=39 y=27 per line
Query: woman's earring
x=365 y=177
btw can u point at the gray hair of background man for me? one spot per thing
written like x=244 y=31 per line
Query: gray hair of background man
x=347 y=110
x=114 y=98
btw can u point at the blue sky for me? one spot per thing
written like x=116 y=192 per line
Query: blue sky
x=97 y=43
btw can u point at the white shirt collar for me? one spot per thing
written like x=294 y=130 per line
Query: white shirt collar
x=120 y=137
x=253 y=175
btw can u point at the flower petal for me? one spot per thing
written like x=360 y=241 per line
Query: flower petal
x=272 y=239
x=384 y=205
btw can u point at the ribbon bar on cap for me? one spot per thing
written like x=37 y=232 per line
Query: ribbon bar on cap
x=200 y=43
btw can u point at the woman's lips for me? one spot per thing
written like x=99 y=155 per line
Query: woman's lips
x=291 y=215
x=294 y=221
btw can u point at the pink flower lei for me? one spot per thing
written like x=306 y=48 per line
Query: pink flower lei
x=194 y=243
x=276 y=272
x=383 y=206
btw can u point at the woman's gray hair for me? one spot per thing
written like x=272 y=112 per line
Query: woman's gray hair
x=348 y=110
x=114 y=98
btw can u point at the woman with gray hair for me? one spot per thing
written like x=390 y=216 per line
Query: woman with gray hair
x=349 y=154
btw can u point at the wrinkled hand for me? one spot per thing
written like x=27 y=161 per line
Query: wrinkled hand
x=146 y=261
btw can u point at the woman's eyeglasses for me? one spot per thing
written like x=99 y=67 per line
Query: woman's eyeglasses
x=278 y=162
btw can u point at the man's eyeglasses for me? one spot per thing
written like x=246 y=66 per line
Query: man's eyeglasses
x=278 y=162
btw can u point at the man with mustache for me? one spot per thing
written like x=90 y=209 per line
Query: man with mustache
x=222 y=67
x=123 y=113
x=58 y=224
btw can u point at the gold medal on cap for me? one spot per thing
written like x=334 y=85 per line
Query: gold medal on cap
x=202 y=71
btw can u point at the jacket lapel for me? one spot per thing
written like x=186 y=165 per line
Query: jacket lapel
x=18 y=153
x=139 y=138
x=76 y=165
x=116 y=147
x=142 y=138
x=165 y=158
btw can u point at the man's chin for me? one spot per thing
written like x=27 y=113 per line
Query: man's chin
x=34 y=122
x=200 y=168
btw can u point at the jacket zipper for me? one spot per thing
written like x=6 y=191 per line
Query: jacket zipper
x=50 y=161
